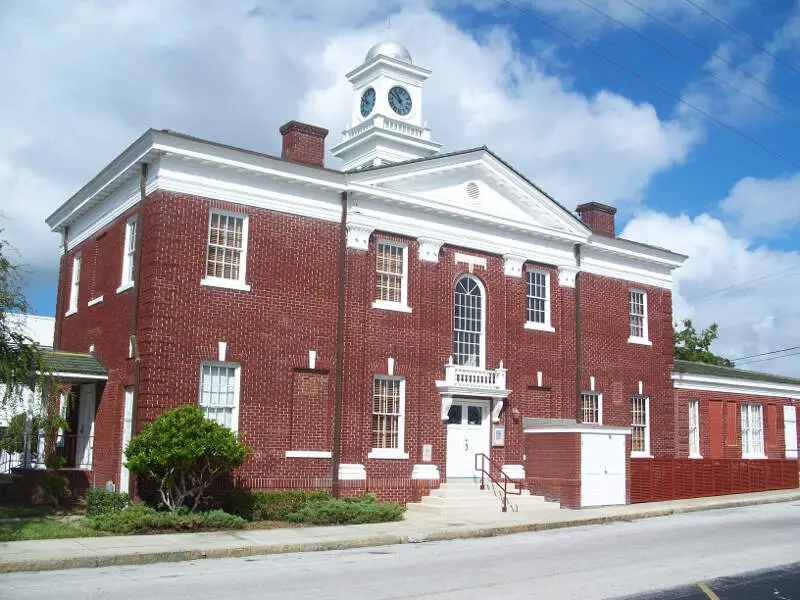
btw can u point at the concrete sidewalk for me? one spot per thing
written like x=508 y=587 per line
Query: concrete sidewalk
x=45 y=555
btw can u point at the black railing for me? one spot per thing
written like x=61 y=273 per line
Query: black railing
x=501 y=481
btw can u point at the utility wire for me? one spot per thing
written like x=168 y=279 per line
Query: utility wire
x=747 y=364
x=766 y=353
x=688 y=62
x=727 y=61
x=745 y=283
x=744 y=36
x=653 y=84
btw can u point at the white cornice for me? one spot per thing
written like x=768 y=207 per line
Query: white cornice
x=733 y=385
x=575 y=428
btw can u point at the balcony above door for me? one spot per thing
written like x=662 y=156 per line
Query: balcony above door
x=462 y=380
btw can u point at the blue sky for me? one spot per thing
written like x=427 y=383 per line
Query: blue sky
x=90 y=76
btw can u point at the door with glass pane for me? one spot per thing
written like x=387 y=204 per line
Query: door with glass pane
x=467 y=435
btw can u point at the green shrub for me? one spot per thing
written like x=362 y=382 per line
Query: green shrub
x=100 y=501
x=56 y=462
x=183 y=452
x=138 y=517
x=347 y=511
x=271 y=506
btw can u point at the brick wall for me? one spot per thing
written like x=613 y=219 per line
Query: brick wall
x=553 y=466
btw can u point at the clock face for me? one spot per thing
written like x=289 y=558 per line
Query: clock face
x=400 y=101
x=367 y=102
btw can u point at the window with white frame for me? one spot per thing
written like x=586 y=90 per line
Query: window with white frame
x=537 y=315
x=640 y=425
x=391 y=278
x=694 y=429
x=129 y=252
x=592 y=407
x=637 y=302
x=74 y=287
x=468 y=323
x=227 y=249
x=219 y=393
x=388 y=416
x=752 y=431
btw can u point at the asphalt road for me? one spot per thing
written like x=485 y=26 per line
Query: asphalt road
x=620 y=560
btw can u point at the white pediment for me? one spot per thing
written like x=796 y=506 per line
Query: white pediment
x=478 y=186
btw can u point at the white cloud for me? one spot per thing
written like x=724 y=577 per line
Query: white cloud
x=90 y=76
x=757 y=317
x=765 y=207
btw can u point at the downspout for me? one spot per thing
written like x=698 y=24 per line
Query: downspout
x=336 y=454
x=137 y=271
x=578 y=371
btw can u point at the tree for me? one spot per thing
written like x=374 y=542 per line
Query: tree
x=183 y=452
x=21 y=362
x=689 y=345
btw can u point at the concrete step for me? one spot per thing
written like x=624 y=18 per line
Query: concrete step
x=466 y=499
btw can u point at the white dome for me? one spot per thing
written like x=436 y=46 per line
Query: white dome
x=390 y=49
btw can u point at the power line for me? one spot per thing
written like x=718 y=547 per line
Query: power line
x=744 y=36
x=766 y=353
x=688 y=62
x=727 y=61
x=753 y=362
x=745 y=283
x=653 y=84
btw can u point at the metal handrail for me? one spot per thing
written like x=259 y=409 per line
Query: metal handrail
x=502 y=486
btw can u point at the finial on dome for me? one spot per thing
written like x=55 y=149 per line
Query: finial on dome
x=390 y=49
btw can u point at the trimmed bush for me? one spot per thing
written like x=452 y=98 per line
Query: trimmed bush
x=100 y=501
x=271 y=506
x=138 y=517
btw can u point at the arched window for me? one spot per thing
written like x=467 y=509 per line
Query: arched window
x=468 y=322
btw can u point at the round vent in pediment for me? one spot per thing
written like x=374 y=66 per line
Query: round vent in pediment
x=473 y=190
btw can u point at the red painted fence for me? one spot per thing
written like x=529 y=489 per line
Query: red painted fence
x=656 y=479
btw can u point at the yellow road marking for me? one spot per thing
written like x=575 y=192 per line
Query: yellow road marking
x=707 y=591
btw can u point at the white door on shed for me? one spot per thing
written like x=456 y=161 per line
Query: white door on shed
x=602 y=469
x=790 y=430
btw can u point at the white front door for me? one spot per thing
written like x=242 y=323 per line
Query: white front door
x=467 y=435
x=85 y=434
x=790 y=430
x=127 y=432
x=602 y=469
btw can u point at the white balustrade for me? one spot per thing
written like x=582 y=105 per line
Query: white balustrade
x=475 y=377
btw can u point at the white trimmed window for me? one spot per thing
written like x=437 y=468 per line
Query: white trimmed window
x=129 y=253
x=637 y=311
x=640 y=425
x=469 y=323
x=226 y=261
x=388 y=417
x=537 y=309
x=694 y=429
x=391 y=276
x=592 y=407
x=219 y=393
x=75 y=285
x=752 y=431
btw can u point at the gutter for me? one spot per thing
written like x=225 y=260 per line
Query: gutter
x=336 y=455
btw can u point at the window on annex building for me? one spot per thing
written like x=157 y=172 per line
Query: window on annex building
x=227 y=250
x=391 y=275
x=592 y=407
x=752 y=431
x=219 y=393
x=75 y=284
x=637 y=311
x=640 y=425
x=537 y=313
x=129 y=253
x=694 y=429
x=388 y=417
x=468 y=322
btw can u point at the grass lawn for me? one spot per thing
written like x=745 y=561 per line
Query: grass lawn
x=14 y=512
x=41 y=529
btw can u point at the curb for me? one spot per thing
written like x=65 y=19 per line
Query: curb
x=144 y=558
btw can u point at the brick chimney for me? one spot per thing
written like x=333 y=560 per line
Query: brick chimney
x=599 y=217
x=303 y=143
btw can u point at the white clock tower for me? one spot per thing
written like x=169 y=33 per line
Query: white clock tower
x=386 y=126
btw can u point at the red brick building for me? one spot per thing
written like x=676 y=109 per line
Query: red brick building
x=372 y=328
